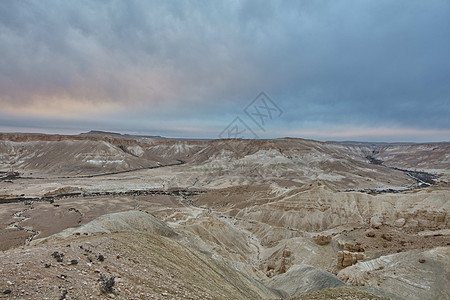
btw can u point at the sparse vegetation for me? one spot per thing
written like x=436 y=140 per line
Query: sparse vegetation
x=64 y=295
x=106 y=284
x=58 y=256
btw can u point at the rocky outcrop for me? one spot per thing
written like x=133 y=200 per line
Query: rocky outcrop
x=323 y=240
x=346 y=258
x=376 y=221
x=410 y=275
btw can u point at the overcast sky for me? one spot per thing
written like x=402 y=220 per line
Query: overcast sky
x=336 y=70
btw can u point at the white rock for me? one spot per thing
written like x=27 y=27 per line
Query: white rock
x=400 y=222
x=376 y=221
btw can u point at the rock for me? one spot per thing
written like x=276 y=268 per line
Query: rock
x=354 y=247
x=107 y=284
x=376 y=221
x=425 y=280
x=347 y=258
x=387 y=236
x=400 y=222
x=422 y=260
x=58 y=256
x=370 y=233
x=360 y=256
x=101 y=258
x=74 y=262
x=323 y=240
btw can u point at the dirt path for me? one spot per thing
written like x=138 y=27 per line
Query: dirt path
x=79 y=213
x=180 y=162
x=21 y=218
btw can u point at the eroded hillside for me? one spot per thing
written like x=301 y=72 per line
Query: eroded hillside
x=255 y=216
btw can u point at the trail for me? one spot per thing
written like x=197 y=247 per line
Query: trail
x=180 y=162
x=79 y=213
x=19 y=215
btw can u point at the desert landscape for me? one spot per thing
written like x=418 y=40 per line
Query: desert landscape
x=225 y=149
x=108 y=215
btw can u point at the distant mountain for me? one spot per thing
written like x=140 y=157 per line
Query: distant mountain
x=99 y=133
x=382 y=143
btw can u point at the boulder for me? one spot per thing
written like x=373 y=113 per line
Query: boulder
x=376 y=221
x=400 y=222
x=347 y=258
x=370 y=233
x=323 y=240
x=387 y=236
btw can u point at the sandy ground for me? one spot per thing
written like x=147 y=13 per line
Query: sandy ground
x=141 y=265
x=47 y=218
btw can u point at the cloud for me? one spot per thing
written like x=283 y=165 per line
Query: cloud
x=326 y=63
x=62 y=106
x=387 y=134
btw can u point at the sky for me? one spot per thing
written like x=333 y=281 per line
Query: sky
x=326 y=70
